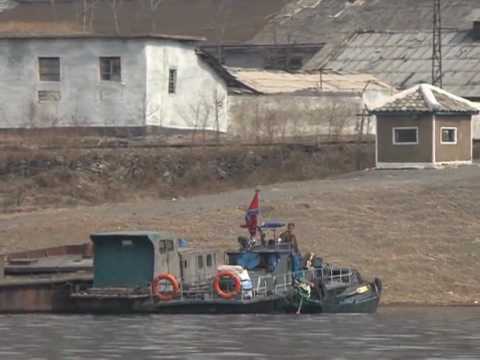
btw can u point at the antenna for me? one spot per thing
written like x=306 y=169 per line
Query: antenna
x=437 y=45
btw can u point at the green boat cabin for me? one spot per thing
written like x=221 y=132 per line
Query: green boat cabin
x=134 y=259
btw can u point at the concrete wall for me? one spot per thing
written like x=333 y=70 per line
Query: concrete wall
x=86 y=100
x=201 y=96
x=326 y=113
x=389 y=152
x=462 y=150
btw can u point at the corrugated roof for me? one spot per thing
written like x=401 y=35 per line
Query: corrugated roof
x=426 y=98
x=277 y=82
x=404 y=59
x=332 y=20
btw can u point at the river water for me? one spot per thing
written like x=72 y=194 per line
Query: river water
x=392 y=333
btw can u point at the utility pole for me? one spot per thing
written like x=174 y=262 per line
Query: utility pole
x=437 y=45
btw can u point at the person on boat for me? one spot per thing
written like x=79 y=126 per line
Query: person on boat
x=288 y=237
x=309 y=261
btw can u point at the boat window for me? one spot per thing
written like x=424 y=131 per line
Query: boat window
x=162 y=247
x=127 y=243
x=169 y=245
x=209 y=260
x=200 y=261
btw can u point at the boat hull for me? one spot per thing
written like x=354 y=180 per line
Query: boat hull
x=267 y=305
x=346 y=302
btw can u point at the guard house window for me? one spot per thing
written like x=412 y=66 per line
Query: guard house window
x=172 y=81
x=405 y=136
x=49 y=68
x=449 y=135
x=110 y=69
x=200 y=261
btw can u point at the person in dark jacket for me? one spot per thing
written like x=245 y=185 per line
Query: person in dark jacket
x=288 y=237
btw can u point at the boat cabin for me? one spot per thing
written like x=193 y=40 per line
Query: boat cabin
x=264 y=260
x=134 y=259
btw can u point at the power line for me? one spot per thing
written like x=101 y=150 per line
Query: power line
x=437 y=45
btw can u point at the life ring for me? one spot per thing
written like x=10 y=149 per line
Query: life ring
x=165 y=295
x=227 y=295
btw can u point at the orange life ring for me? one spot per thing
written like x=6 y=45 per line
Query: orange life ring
x=227 y=295
x=165 y=295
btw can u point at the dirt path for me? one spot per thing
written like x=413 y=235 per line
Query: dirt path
x=417 y=230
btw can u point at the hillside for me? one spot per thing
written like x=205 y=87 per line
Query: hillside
x=216 y=20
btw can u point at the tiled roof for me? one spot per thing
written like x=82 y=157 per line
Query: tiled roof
x=426 y=99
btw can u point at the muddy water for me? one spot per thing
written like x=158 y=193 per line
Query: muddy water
x=392 y=333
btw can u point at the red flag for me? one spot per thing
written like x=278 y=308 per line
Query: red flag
x=251 y=216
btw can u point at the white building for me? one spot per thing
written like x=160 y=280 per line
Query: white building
x=105 y=81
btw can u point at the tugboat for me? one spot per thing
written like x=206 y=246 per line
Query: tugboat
x=156 y=272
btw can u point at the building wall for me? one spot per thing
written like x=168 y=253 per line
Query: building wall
x=200 y=97
x=86 y=100
x=462 y=150
x=325 y=113
x=388 y=152
x=274 y=116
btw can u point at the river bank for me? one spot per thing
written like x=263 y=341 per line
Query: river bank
x=417 y=230
x=62 y=177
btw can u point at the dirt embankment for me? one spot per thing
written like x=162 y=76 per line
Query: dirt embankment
x=30 y=180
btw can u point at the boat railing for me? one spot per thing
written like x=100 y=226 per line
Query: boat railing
x=280 y=284
x=276 y=285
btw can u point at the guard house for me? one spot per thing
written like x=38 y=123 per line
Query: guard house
x=424 y=127
x=134 y=259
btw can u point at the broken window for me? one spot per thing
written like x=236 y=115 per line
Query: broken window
x=110 y=68
x=49 y=68
x=449 y=135
x=405 y=136
x=172 y=81
x=48 y=96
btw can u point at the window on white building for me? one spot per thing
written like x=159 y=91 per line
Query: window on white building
x=449 y=135
x=49 y=68
x=172 y=81
x=110 y=68
x=405 y=136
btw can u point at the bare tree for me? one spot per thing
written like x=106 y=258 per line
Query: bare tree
x=153 y=7
x=218 y=102
x=87 y=14
x=114 y=4
x=221 y=20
